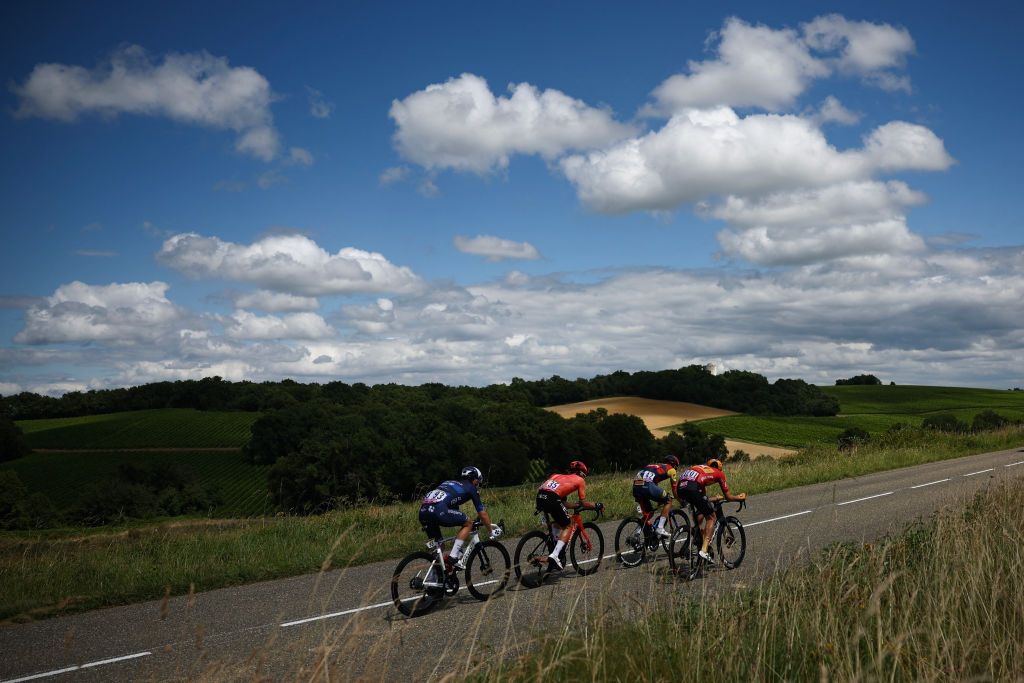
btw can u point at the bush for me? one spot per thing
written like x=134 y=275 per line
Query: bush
x=739 y=455
x=853 y=437
x=163 y=489
x=699 y=446
x=988 y=420
x=945 y=422
x=20 y=509
x=12 y=441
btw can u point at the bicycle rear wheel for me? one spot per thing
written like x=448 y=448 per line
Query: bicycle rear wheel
x=585 y=553
x=630 y=545
x=417 y=584
x=487 y=570
x=533 y=545
x=732 y=542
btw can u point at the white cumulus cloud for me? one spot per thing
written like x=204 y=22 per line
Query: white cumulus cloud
x=196 y=88
x=125 y=313
x=292 y=264
x=276 y=302
x=461 y=124
x=246 y=325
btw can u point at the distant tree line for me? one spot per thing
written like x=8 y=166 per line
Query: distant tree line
x=869 y=380
x=737 y=390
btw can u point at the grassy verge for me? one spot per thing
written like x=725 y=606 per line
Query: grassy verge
x=939 y=602
x=44 y=573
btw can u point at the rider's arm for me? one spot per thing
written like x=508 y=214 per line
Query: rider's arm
x=673 y=476
x=582 y=493
x=725 y=490
x=484 y=517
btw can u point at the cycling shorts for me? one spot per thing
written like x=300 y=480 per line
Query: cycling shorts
x=645 y=494
x=433 y=517
x=694 y=494
x=551 y=503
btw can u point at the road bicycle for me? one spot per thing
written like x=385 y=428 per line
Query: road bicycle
x=728 y=543
x=636 y=537
x=424 y=579
x=585 y=547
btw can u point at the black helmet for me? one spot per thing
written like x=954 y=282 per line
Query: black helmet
x=470 y=473
x=672 y=460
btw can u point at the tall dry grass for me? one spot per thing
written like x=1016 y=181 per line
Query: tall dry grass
x=943 y=601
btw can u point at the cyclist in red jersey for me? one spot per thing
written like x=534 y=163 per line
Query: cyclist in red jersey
x=692 y=489
x=551 y=498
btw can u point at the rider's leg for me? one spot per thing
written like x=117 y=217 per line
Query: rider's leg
x=460 y=539
x=709 y=525
x=665 y=509
x=563 y=538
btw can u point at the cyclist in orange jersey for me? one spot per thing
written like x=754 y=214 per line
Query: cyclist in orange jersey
x=551 y=497
x=692 y=488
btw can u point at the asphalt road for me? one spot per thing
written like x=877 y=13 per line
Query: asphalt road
x=343 y=622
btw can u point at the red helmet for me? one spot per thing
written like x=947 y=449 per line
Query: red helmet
x=579 y=467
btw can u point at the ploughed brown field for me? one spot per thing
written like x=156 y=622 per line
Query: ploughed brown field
x=658 y=415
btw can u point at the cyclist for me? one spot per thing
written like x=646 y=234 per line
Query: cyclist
x=646 y=489
x=551 y=497
x=440 y=508
x=692 y=488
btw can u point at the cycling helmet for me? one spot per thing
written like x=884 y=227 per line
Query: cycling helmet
x=671 y=460
x=716 y=463
x=470 y=473
x=579 y=467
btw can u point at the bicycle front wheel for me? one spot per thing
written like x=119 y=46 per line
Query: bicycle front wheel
x=532 y=546
x=417 y=584
x=586 y=549
x=630 y=544
x=487 y=570
x=732 y=542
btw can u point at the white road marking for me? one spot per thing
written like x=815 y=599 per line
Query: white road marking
x=89 y=665
x=346 y=612
x=775 y=519
x=858 y=500
x=1021 y=462
x=937 y=481
x=978 y=472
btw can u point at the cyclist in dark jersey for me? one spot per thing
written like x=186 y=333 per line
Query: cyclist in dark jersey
x=440 y=508
x=646 y=489
x=692 y=488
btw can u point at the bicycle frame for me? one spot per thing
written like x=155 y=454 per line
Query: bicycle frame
x=575 y=526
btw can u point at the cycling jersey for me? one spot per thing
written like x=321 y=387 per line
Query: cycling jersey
x=704 y=476
x=653 y=474
x=562 y=485
x=440 y=506
x=451 y=494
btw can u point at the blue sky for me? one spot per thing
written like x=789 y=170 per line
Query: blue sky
x=464 y=194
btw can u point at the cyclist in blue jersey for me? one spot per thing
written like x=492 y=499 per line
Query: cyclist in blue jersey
x=440 y=508
x=646 y=489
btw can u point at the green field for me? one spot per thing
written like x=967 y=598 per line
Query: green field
x=923 y=399
x=166 y=428
x=872 y=408
x=63 y=476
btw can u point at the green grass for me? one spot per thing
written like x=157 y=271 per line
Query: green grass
x=905 y=609
x=922 y=399
x=797 y=432
x=63 y=476
x=164 y=428
x=51 y=572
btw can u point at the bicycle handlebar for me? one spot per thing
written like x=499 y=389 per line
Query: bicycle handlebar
x=578 y=508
